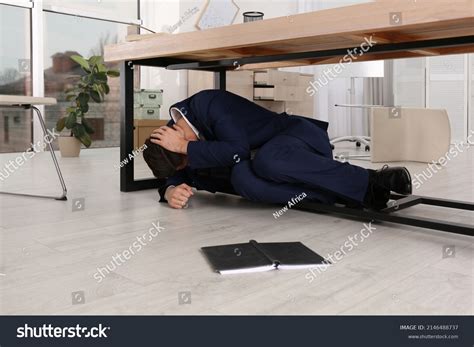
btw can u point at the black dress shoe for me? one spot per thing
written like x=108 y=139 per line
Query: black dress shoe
x=384 y=181
x=395 y=179
x=376 y=197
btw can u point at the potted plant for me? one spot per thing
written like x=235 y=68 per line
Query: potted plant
x=91 y=87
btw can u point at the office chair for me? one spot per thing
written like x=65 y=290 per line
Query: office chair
x=409 y=134
x=358 y=139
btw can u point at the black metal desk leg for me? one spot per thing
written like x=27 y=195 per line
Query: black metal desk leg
x=220 y=79
x=127 y=175
x=126 y=124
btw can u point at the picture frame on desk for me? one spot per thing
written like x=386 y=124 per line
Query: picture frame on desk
x=217 y=13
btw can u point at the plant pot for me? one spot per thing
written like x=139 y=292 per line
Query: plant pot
x=69 y=146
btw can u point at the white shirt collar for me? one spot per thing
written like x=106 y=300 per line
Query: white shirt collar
x=176 y=115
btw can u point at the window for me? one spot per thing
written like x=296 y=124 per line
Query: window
x=115 y=8
x=447 y=89
x=65 y=36
x=15 y=76
x=409 y=82
x=67 y=27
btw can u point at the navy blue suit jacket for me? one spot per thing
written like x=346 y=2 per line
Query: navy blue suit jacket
x=231 y=127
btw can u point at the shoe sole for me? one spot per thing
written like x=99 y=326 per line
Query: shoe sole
x=408 y=189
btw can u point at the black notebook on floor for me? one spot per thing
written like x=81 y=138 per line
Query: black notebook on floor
x=256 y=257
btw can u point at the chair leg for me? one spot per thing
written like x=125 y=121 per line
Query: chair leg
x=365 y=140
x=53 y=155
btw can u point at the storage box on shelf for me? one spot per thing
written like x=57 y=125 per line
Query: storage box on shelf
x=147 y=104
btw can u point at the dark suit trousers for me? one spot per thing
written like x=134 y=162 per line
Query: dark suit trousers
x=299 y=160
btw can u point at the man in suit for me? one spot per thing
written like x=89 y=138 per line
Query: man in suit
x=210 y=142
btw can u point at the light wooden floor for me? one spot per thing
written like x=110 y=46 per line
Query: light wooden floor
x=47 y=251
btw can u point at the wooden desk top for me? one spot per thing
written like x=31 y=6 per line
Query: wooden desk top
x=343 y=27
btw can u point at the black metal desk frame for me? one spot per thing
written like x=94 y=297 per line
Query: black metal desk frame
x=219 y=67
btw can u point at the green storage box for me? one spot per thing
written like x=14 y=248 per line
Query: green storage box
x=148 y=98
x=146 y=112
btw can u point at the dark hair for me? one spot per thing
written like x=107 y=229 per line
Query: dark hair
x=162 y=162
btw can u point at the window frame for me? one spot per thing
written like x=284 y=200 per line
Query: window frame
x=21 y=3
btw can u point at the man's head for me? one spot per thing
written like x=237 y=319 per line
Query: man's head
x=162 y=162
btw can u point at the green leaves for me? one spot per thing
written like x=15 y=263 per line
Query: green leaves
x=82 y=102
x=71 y=120
x=80 y=133
x=81 y=61
x=87 y=126
x=95 y=60
x=101 y=77
x=61 y=124
x=91 y=87
x=83 y=98
x=101 y=68
x=113 y=73
x=95 y=96
x=86 y=140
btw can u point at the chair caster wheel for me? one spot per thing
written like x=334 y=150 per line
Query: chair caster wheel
x=358 y=144
x=367 y=148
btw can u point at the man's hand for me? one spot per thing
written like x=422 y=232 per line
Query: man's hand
x=170 y=138
x=178 y=196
